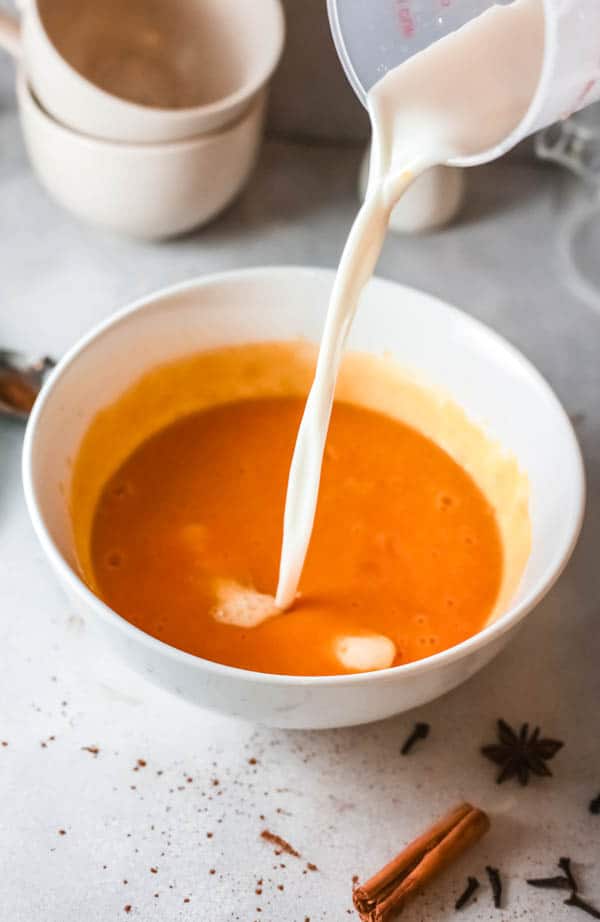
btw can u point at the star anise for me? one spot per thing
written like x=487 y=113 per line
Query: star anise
x=521 y=754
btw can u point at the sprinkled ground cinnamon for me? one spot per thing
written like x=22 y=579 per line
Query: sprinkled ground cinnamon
x=93 y=749
x=127 y=908
x=62 y=832
x=311 y=866
x=282 y=845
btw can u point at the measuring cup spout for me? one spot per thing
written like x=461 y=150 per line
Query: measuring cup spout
x=375 y=37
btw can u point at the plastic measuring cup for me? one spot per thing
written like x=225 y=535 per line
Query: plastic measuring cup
x=373 y=37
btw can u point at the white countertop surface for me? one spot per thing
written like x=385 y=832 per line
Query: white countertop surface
x=345 y=799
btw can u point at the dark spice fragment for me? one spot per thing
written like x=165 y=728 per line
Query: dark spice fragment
x=62 y=832
x=311 y=866
x=521 y=754
x=594 y=804
x=472 y=885
x=576 y=901
x=355 y=878
x=252 y=761
x=154 y=870
x=496 y=884
x=550 y=883
x=282 y=845
x=127 y=908
x=565 y=865
x=93 y=749
x=420 y=732
x=141 y=763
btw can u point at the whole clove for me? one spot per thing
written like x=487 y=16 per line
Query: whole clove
x=550 y=883
x=420 y=732
x=496 y=884
x=578 y=903
x=472 y=885
x=565 y=865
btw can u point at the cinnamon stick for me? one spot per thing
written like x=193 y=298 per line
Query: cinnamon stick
x=388 y=891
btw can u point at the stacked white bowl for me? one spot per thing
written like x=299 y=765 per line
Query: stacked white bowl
x=144 y=117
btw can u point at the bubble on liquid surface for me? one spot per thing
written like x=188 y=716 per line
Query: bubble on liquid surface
x=445 y=502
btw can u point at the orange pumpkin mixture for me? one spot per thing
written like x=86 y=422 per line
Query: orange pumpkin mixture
x=405 y=543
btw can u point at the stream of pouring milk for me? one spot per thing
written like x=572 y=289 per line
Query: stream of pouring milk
x=460 y=96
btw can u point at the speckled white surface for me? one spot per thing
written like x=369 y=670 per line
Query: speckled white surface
x=346 y=799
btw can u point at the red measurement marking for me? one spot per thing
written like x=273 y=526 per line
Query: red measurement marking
x=585 y=93
x=405 y=18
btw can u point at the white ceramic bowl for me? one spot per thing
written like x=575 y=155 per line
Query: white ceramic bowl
x=144 y=190
x=483 y=373
x=121 y=71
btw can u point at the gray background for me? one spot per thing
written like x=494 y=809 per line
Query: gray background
x=345 y=799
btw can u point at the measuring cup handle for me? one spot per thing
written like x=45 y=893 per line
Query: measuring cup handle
x=10 y=34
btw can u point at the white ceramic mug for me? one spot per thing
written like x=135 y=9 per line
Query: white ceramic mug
x=151 y=191
x=495 y=385
x=146 y=73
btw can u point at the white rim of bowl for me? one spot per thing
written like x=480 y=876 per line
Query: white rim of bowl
x=175 y=115
x=497 y=628
x=28 y=99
